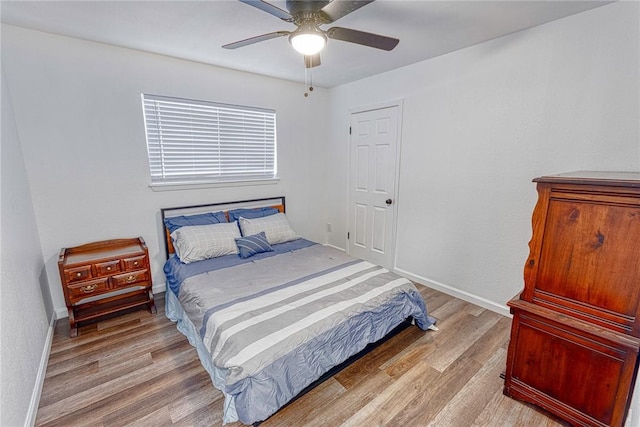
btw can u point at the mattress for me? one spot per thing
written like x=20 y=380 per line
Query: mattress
x=268 y=327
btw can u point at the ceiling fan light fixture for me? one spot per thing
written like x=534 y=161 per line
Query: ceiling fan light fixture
x=308 y=42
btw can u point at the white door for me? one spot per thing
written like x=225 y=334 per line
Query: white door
x=372 y=182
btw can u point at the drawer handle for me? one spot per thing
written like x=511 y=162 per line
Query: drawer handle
x=131 y=278
x=89 y=289
x=135 y=263
x=109 y=268
x=78 y=274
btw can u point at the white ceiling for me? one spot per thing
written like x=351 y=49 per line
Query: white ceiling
x=196 y=30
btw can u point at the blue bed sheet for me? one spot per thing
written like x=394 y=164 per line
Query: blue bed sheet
x=176 y=271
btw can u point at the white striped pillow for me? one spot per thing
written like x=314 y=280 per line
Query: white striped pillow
x=197 y=242
x=276 y=227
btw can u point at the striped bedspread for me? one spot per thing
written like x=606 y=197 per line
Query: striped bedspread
x=276 y=325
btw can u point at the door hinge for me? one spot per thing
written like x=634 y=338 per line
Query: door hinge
x=348 y=235
x=349 y=130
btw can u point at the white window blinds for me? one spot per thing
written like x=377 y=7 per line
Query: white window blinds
x=191 y=141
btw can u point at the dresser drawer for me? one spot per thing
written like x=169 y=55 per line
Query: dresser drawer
x=77 y=274
x=130 y=278
x=134 y=263
x=82 y=290
x=108 y=267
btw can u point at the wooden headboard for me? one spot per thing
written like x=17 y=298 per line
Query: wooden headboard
x=274 y=202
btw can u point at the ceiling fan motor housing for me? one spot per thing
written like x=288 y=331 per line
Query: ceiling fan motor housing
x=295 y=6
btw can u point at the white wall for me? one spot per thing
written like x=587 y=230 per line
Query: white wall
x=25 y=304
x=479 y=124
x=77 y=107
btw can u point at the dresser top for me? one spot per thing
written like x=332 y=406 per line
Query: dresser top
x=101 y=250
x=614 y=178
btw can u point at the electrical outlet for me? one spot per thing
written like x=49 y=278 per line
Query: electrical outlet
x=329 y=227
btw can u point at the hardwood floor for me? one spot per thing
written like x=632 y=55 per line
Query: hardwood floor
x=137 y=369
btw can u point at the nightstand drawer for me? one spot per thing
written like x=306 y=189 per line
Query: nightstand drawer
x=134 y=263
x=82 y=290
x=128 y=279
x=108 y=267
x=78 y=273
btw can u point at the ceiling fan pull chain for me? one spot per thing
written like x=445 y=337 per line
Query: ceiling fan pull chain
x=308 y=80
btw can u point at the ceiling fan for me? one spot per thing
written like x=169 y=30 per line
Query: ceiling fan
x=308 y=38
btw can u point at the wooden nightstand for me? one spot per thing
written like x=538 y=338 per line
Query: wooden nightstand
x=105 y=277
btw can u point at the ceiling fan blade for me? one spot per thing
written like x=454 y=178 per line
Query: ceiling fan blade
x=256 y=39
x=270 y=9
x=339 y=8
x=311 y=61
x=363 y=38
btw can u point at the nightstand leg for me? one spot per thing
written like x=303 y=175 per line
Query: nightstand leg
x=73 y=329
x=152 y=304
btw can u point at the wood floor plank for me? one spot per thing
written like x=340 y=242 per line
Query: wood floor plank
x=107 y=347
x=469 y=402
x=436 y=299
x=431 y=342
x=107 y=390
x=404 y=361
x=393 y=399
x=437 y=394
x=498 y=412
x=495 y=338
x=456 y=344
x=136 y=321
x=113 y=408
x=159 y=417
x=297 y=413
x=138 y=370
x=372 y=361
x=446 y=310
x=208 y=416
x=72 y=382
x=354 y=399
x=475 y=310
x=78 y=379
x=201 y=398
x=502 y=411
x=157 y=394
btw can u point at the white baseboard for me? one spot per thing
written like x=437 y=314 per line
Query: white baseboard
x=334 y=247
x=42 y=370
x=449 y=290
x=159 y=288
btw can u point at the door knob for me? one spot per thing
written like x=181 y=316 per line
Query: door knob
x=388 y=201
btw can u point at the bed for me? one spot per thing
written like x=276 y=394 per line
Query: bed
x=268 y=311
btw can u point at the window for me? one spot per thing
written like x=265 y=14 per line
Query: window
x=193 y=142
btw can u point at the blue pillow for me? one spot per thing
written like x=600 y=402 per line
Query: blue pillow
x=176 y=222
x=251 y=213
x=251 y=245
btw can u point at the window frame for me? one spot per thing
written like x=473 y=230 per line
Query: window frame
x=245 y=131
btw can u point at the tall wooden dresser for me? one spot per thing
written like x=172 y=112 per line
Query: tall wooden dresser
x=575 y=334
